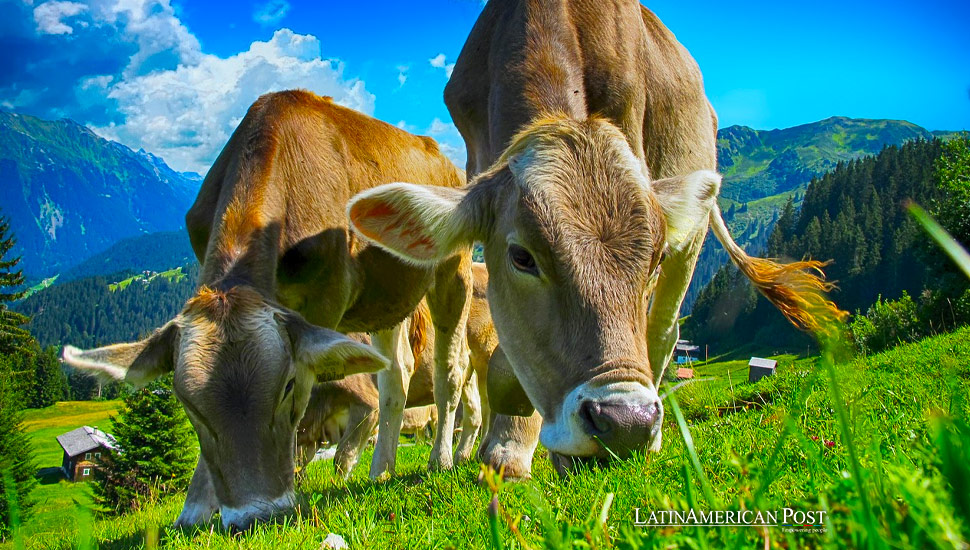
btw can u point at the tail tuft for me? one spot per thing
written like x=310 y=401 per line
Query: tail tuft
x=797 y=289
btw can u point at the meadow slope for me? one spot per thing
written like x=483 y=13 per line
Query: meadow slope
x=880 y=444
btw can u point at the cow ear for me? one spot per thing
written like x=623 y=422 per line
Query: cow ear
x=137 y=363
x=329 y=354
x=505 y=393
x=419 y=223
x=686 y=202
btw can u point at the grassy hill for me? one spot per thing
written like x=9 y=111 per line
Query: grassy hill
x=62 y=506
x=762 y=163
x=95 y=311
x=152 y=252
x=881 y=444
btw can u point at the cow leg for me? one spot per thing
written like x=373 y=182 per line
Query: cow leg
x=360 y=425
x=449 y=302
x=392 y=385
x=471 y=419
x=663 y=330
x=510 y=443
x=200 y=501
x=481 y=372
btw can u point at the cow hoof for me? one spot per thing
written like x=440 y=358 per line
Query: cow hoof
x=381 y=477
x=513 y=466
x=439 y=465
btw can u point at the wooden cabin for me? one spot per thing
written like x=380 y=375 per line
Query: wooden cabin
x=83 y=449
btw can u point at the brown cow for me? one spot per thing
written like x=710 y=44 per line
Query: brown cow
x=344 y=411
x=278 y=260
x=593 y=149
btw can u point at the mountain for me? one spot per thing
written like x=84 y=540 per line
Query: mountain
x=763 y=169
x=761 y=163
x=152 y=252
x=70 y=194
x=853 y=216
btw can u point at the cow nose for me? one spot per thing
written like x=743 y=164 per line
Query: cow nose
x=621 y=427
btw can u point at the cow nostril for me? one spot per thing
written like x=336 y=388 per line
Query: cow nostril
x=592 y=415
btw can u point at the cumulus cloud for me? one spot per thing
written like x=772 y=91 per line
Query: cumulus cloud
x=402 y=74
x=186 y=115
x=50 y=16
x=439 y=62
x=132 y=71
x=271 y=13
x=449 y=140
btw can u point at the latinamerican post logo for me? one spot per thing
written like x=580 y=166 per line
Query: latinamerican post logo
x=788 y=519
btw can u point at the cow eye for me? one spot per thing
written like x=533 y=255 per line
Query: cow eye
x=522 y=260
x=289 y=387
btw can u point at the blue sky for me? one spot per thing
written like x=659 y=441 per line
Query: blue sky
x=174 y=77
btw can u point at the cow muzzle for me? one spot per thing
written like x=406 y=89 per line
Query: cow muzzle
x=259 y=510
x=612 y=420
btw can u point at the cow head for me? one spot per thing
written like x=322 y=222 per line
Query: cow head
x=243 y=369
x=574 y=235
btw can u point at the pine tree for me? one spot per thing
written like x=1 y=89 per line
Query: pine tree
x=158 y=450
x=50 y=383
x=16 y=460
x=13 y=337
x=953 y=175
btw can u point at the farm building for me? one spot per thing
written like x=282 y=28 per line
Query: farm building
x=758 y=368
x=684 y=373
x=685 y=352
x=83 y=448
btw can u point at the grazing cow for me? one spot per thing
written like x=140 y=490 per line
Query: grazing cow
x=592 y=145
x=278 y=261
x=344 y=411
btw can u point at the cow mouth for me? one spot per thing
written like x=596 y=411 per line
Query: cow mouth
x=567 y=465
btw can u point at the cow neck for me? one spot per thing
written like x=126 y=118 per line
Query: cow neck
x=550 y=74
x=245 y=248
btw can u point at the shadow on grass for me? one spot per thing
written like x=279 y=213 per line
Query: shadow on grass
x=49 y=476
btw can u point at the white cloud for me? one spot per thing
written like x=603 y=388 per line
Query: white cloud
x=449 y=140
x=162 y=41
x=187 y=114
x=439 y=62
x=50 y=16
x=271 y=12
x=402 y=74
x=439 y=127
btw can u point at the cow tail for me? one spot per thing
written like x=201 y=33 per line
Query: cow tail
x=797 y=289
x=419 y=329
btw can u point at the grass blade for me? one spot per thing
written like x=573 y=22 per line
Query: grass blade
x=691 y=451
x=940 y=235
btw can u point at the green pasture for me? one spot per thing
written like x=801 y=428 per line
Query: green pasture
x=880 y=444
x=62 y=506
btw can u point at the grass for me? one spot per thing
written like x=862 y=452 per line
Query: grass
x=62 y=506
x=173 y=275
x=880 y=444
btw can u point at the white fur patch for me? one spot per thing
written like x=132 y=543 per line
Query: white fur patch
x=565 y=433
x=75 y=357
x=687 y=204
x=194 y=513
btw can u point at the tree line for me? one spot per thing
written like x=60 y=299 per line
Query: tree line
x=855 y=217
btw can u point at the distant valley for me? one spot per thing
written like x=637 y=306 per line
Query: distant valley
x=92 y=212
x=70 y=194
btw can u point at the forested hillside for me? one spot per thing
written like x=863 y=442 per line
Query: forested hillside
x=70 y=193
x=855 y=217
x=87 y=313
x=763 y=169
x=152 y=252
